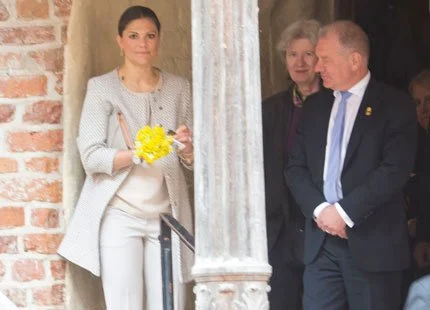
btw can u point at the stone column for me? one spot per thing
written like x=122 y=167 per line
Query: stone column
x=231 y=268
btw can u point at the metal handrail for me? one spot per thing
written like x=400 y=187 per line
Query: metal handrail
x=168 y=224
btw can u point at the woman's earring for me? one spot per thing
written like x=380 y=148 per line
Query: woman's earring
x=121 y=53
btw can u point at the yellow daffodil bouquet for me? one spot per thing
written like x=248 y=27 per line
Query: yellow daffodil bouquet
x=152 y=143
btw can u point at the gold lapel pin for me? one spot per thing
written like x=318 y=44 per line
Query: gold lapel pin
x=368 y=111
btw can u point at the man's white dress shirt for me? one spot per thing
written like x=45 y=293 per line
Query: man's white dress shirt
x=352 y=106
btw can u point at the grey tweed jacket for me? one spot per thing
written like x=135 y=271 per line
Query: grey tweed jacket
x=100 y=138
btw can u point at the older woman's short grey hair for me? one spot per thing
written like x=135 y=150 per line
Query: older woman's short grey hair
x=302 y=29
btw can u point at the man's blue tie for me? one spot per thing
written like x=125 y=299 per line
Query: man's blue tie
x=333 y=166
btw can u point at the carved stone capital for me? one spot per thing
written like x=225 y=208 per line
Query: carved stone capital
x=248 y=295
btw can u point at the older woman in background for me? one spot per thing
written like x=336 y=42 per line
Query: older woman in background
x=281 y=115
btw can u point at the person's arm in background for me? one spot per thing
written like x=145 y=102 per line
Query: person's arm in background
x=184 y=133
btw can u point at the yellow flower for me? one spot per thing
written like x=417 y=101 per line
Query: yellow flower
x=152 y=144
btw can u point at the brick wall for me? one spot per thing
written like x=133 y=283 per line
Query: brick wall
x=32 y=35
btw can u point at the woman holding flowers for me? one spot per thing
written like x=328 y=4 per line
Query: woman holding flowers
x=114 y=230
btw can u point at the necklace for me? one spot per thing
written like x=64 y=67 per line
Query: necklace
x=153 y=83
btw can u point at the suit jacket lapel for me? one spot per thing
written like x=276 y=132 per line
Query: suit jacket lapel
x=363 y=119
x=325 y=118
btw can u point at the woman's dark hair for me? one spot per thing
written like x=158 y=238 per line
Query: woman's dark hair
x=137 y=12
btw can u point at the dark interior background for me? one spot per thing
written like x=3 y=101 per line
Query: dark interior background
x=399 y=33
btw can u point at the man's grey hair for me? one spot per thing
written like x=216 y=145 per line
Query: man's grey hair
x=421 y=79
x=350 y=35
x=302 y=29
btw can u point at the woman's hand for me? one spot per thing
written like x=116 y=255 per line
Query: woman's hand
x=185 y=136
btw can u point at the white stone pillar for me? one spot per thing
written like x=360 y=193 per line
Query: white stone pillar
x=231 y=268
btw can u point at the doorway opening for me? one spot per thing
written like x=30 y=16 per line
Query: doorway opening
x=399 y=34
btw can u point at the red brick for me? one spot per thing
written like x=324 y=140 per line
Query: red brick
x=46 y=218
x=45 y=141
x=42 y=243
x=10 y=61
x=17 y=296
x=58 y=269
x=2 y=270
x=32 y=9
x=43 y=112
x=7 y=111
x=59 y=82
x=42 y=164
x=51 y=296
x=23 y=86
x=31 y=190
x=51 y=60
x=27 y=35
x=63 y=7
x=8 y=245
x=28 y=270
x=8 y=165
x=4 y=14
x=11 y=217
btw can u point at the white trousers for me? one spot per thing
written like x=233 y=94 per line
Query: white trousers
x=131 y=263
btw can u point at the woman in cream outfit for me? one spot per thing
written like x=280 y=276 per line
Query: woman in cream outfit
x=114 y=230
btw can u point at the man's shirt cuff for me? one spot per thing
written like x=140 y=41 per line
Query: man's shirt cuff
x=339 y=209
x=319 y=208
x=344 y=216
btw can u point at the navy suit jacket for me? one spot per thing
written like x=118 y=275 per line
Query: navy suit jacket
x=284 y=219
x=379 y=158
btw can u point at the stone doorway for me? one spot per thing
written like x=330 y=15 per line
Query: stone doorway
x=91 y=50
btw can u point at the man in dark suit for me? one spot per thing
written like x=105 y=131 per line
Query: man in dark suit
x=354 y=151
